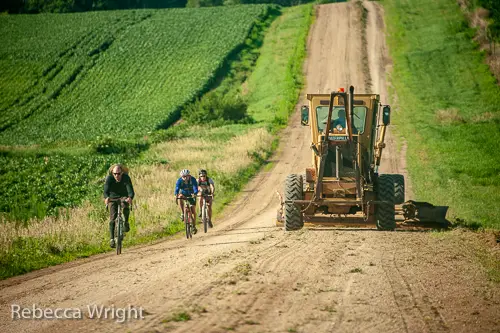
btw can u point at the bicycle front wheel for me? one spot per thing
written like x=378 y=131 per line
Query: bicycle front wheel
x=187 y=224
x=204 y=217
x=119 y=236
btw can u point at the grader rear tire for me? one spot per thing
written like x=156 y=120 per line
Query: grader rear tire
x=293 y=191
x=385 y=212
x=399 y=189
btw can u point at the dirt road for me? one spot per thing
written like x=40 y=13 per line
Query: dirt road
x=246 y=275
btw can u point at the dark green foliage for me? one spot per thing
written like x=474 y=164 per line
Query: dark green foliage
x=131 y=4
x=493 y=7
x=204 y=3
x=11 y=6
x=218 y=109
x=110 y=145
x=35 y=185
x=213 y=3
x=68 y=6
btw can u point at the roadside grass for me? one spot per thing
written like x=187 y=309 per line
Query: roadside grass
x=232 y=154
x=275 y=83
x=446 y=105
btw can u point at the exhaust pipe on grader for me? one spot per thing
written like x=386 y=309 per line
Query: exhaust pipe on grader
x=343 y=186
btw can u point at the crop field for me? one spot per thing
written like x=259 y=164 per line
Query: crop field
x=39 y=185
x=72 y=77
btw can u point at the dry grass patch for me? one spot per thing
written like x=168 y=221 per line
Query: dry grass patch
x=63 y=233
x=449 y=116
x=485 y=117
x=155 y=187
x=154 y=207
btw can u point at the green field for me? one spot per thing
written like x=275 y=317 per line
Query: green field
x=447 y=107
x=90 y=84
x=73 y=77
x=68 y=176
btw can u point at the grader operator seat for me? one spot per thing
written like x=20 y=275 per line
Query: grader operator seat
x=338 y=127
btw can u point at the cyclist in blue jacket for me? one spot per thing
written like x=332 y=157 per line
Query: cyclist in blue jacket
x=187 y=188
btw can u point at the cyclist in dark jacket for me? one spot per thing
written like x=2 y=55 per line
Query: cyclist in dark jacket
x=206 y=187
x=118 y=185
x=186 y=187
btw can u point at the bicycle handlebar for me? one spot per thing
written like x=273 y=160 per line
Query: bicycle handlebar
x=122 y=200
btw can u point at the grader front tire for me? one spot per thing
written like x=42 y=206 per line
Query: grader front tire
x=399 y=189
x=385 y=213
x=293 y=191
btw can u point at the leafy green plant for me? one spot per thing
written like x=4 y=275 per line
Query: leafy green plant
x=217 y=108
x=178 y=316
x=109 y=145
x=37 y=185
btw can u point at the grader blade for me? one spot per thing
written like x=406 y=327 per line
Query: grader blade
x=424 y=213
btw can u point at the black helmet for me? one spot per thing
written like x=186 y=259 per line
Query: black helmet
x=202 y=172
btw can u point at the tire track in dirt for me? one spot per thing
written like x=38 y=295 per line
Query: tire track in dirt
x=417 y=309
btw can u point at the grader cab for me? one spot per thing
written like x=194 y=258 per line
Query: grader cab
x=343 y=186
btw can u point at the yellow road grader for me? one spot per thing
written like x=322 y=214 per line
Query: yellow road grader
x=343 y=186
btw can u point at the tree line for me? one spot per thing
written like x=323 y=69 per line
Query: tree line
x=70 y=6
x=493 y=6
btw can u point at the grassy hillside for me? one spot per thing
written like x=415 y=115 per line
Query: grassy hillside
x=86 y=85
x=73 y=77
x=82 y=231
x=447 y=108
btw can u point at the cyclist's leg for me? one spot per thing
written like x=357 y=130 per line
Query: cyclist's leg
x=113 y=211
x=189 y=218
x=201 y=205
x=193 y=211
x=181 y=206
x=126 y=214
x=209 y=205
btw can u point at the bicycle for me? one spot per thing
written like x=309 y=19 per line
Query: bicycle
x=119 y=224
x=204 y=211
x=188 y=216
